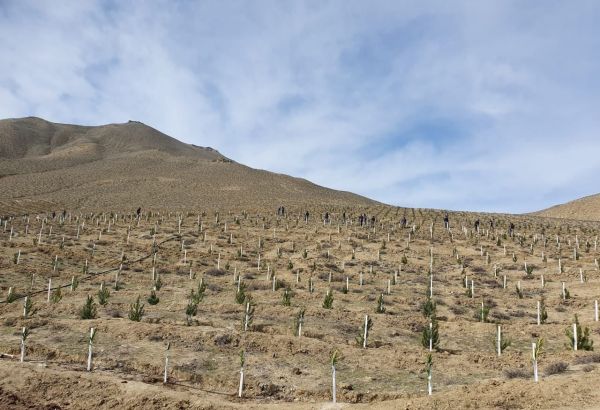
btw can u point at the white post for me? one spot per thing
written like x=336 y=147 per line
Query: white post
x=366 y=329
x=49 y=288
x=241 y=388
x=430 y=336
x=333 y=383
x=538 y=313
x=90 y=343
x=166 y=362
x=499 y=341
x=535 y=364
x=596 y=310
x=23 y=336
x=430 y=286
x=429 y=387
x=504 y=282
x=574 y=336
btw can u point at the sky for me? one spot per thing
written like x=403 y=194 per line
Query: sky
x=462 y=105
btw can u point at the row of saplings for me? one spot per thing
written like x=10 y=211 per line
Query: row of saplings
x=578 y=339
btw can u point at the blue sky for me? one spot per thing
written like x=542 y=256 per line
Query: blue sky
x=467 y=105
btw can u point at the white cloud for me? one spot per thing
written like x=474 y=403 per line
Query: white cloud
x=488 y=106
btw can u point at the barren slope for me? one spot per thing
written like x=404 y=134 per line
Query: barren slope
x=585 y=209
x=120 y=166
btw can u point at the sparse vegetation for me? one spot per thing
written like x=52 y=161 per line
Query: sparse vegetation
x=136 y=310
x=88 y=311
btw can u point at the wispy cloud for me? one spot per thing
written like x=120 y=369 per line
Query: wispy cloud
x=461 y=105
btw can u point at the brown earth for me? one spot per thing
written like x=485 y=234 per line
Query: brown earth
x=123 y=166
x=587 y=209
x=284 y=370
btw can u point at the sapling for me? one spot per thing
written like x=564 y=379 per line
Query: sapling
x=430 y=338
x=90 y=345
x=191 y=310
x=542 y=315
x=484 y=312
x=56 y=296
x=428 y=308
x=299 y=322
x=240 y=295
x=529 y=271
x=287 y=297
x=24 y=335
x=365 y=329
x=536 y=351
x=578 y=339
x=158 y=283
x=136 y=310
x=153 y=299
x=88 y=311
x=328 y=301
x=198 y=296
x=380 y=304
x=11 y=296
x=519 y=291
x=28 y=307
x=103 y=295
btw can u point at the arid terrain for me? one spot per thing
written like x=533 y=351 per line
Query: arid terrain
x=586 y=208
x=45 y=165
x=200 y=258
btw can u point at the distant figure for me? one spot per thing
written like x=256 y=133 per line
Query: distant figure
x=53 y=214
x=282 y=211
x=403 y=222
x=446 y=222
x=306 y=215
x=491 y=224
x=361 y=219
x=64 y=213
x=373 y=221
x=344 y=217
x=326 y=217
x=138 y=212
x=477 y=225
x=511 y=228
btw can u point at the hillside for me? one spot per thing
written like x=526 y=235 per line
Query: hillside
x=122 y=166
x=586 y=209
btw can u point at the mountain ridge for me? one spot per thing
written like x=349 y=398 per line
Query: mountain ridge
x=120 y=166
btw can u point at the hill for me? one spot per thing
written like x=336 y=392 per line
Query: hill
x=585 y=209
x=123 y=166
